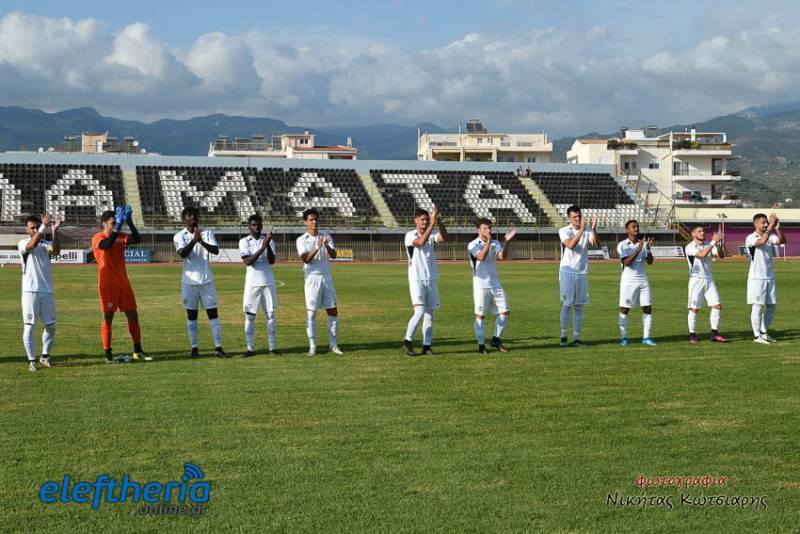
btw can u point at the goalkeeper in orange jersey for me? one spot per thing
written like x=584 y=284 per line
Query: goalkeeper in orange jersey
x=113 y=285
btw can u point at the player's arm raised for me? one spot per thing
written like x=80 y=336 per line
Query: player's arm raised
x=627 y=260
x=779 y=232
x=210 y=245
x=134 y=238
x=511 y=234
x=270 y=250
x=485 y=249
x=423 y=239
x=328 y=244
x=593 y=239
x=196 y=238
x=309 y=256
x=36 y=239
x=119 y=217
x=55 y=248
x=649 y=259
x=572 y=243
x=773 y=222
x=440 y=222
x=708 y=249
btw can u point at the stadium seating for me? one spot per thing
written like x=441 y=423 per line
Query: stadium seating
x=461 y=196
x=228 y=195
x=596 y=194
x=77 y=194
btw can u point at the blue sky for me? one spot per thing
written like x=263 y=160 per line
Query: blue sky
x=564 y=67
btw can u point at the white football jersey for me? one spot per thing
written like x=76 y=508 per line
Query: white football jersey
x=761 y=257
x=484 y=273
x=634 y=271
x=320 y=264
x=575 y=260
x=36 y=276
x=699 y=267
x=197 y=265
x=259 y=273
x=421 y=260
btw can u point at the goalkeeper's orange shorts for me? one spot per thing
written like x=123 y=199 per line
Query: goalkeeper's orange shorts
x=117 y=298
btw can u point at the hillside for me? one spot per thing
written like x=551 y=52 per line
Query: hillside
x=767 y=139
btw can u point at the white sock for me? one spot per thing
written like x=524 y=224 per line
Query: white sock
x=311 y=327
x=28 y=341
x=333 y=329
x=755 y=319
x=500 y=325
x=272 y=330
x=427 y=327
x=769 y=316
x=216 y=331
x=250 y=330
x=714 y=316
x=564 y=320
x=479 y=332
x=693 y=322
x=647 y=322
x=48 y=337
x=577 y=322
x=623 y=325
x=411 y=329
x=191 y=326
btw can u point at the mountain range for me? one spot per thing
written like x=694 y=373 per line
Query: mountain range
x=767 y=139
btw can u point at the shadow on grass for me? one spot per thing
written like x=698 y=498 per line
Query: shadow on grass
x=441 y=347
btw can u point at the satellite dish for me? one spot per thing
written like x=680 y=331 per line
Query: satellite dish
x=143 y=151
x=136 y=143
x=41 y=149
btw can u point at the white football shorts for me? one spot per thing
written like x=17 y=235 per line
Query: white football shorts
x=424 y=293
x=489 y=300
x=37 y=307
x=194 y=295
x=260 y=298
x=762 y=291
x=702 y=291
x=634 y=293
x=320 y=292
x=574 y=288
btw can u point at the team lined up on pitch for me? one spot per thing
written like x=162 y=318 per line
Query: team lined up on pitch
x=316 y=248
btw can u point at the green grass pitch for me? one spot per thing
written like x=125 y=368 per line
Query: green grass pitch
x=534 y=440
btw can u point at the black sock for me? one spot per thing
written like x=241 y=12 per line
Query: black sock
x=137 y=347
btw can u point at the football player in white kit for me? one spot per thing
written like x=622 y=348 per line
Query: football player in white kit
x=38 y=303
x=487 y=292
x=422 y=276
x=573 y=273
x=258 y=254
x=702 y=288
x=195 y=246
x=762 y=292
x=634 y=288
x=315 y=248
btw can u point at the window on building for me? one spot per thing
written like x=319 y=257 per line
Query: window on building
x=653 y=164
x=531 y=160
x=480 y=140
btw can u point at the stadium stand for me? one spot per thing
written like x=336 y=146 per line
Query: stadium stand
x=346 y=195
x=228 y=196
x=462 y=196
x=338 y=194
x=596 y=194
x=77 y=194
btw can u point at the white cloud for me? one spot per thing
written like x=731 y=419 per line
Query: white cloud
x=564 y=80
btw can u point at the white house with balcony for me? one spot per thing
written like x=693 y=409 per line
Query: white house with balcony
x=690 y=167
x=478 y=144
